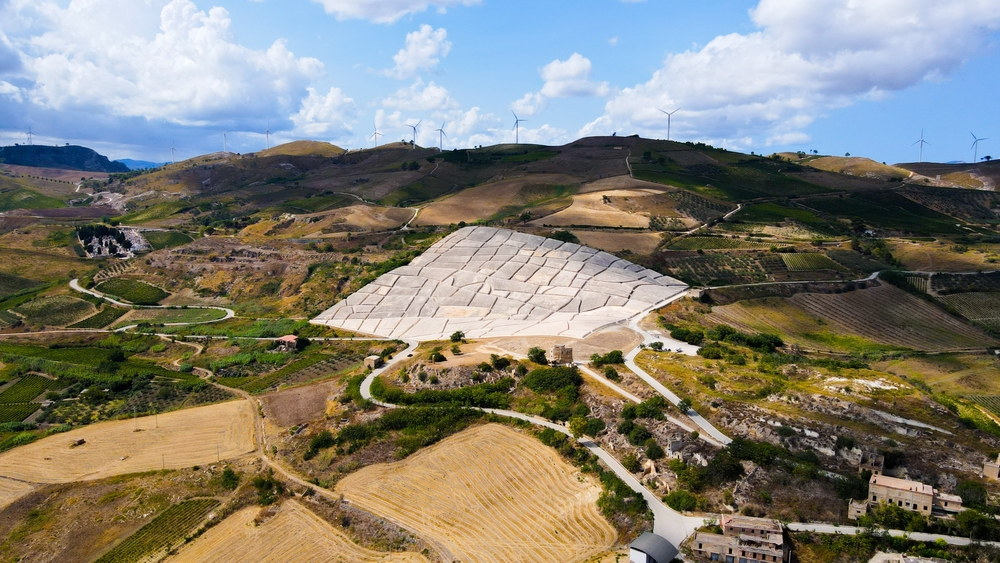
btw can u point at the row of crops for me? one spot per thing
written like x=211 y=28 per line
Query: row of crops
x=103 y=318
x=983 y=308
x=165 y=532
x=15 y=400
x=805 y=261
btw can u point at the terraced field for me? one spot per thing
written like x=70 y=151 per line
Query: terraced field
x=876 y=318
x=489 y=494
x=295 y=534
x=58 y=310
x=799 y=262
x=979 y=307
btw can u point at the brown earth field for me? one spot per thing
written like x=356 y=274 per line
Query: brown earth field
x=360 y=217
x=590 y=209
x=172 y=440
x=487 y=200
x=72 y=176
x=616 y=241
x=298 y=405
x=488 y=494
x=884 y=315
x=619 y=183
x=294 y=534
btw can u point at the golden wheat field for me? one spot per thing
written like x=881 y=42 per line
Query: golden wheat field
x=488 y=494
x=294 y=534
x=171 y=440
x=10 y=491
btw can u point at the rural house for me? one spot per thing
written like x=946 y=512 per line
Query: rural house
x=743 y=540
x=287 y=343
x=909 y=495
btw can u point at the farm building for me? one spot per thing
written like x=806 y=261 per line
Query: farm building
x=651 y=548
x=373 y=362
x=744 y=539
x=910 y=495
x=288 y=343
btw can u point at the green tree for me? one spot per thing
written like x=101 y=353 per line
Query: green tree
x=230 y=479
x=653 y=450
x=577 y=426
x=684 y=405
x=537 y=355
x=681 y=501
x=457 y=336
x=631 y=463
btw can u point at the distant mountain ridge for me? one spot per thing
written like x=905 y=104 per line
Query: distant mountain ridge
x=69 y=157
x=139 y=164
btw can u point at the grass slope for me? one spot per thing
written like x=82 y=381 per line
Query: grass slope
x=133 y=291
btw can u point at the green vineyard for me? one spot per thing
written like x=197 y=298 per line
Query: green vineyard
x=16 y=412
x=27 y=388
x=165 y=532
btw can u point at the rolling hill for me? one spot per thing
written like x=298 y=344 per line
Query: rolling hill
x=69 y=157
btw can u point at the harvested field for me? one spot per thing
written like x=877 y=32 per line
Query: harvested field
x=294 y=534
x=487 y=200
x=625 y=182
x=858 y=166
x=615 y=241
x=172 y=440
x=595 y=209
x=298 y=405
x=11 y=490
x=489 y=494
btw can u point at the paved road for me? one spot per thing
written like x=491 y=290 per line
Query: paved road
x=648 y=338
x=853 y=530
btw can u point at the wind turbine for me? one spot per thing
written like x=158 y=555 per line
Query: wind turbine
x=441 y=136
x=225 y=146
x=29 y=136
x=172 y=160
x=375 y=134
x=267 y=136
x=975 y=146
x=414 y=127
x=670 y=113
x=517 y=128
x=921 y=142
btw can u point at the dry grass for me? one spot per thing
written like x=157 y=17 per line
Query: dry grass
x=618 y=183
x=955 y=374
x=938 y=257
x=611 y=241
x=172 y=440
x=303 y=148
x=10 y=491
x=489 y=199
x=333 y=223
x=294 y=534
x=591 y=209
x=857 y=166
x=489 y=494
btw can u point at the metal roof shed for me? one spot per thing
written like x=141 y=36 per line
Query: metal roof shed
x=651 y=548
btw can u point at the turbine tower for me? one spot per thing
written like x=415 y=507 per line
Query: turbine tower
x=517 y=128
x=975 y=146
x=172 y=160
x=375 y=134
x=29 y=137
x=225 y=145
x=414 y=127
x=441 y=136
x=921 y=142
x=267 y=136
x=669 y=113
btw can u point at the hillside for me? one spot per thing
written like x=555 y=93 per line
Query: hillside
x=69 y=157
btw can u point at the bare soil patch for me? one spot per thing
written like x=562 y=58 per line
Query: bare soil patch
x=487 y=200
x=615 y=241
x=595 y=209
x=294 y=534
x=489 y=494
x=298 y=405
x=939 y=257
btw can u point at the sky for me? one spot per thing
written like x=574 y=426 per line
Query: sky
x=133 y=78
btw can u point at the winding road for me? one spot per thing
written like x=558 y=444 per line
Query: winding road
x=74 y=284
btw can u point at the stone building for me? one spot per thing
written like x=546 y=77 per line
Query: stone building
x=743 y=540
x=991 y=469
x=373 y=362
x=871 y=462
x=561 y=355
x=909 y=495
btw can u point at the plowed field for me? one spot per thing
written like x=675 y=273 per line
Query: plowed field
x=488 y=494
x=295 y=534
x=172 y=440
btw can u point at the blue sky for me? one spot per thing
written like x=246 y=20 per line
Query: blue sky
x=133 y=77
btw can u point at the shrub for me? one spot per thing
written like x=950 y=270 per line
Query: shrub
x=653 y=450
x=681 y=501
x=631 y=463
x=537 y=355
x=611 y=373
x=612 y=357
x=230 y=479
x=457 y=336
x=639 y=435
x=594 y=427
x=552 y=379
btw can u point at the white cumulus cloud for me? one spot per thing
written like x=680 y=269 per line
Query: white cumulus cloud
x=421 y=97
x=570 y=78
x=324 y=115
x=423 y=51
x=173 y=62
x=804 y=59
x=385 y=11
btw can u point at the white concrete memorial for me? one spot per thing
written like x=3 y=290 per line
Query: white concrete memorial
x=489 y=282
